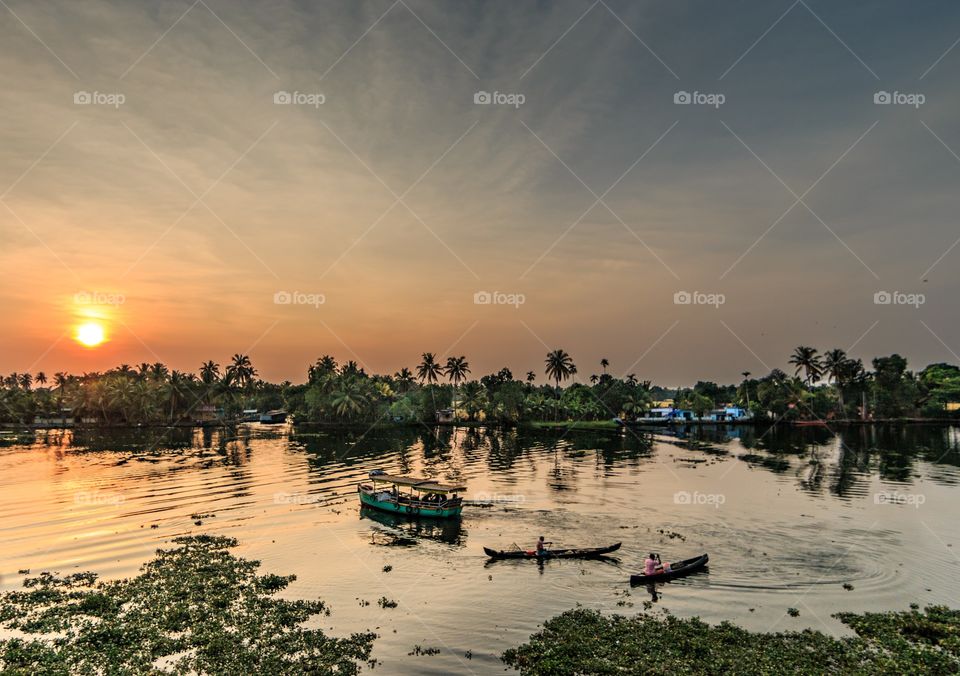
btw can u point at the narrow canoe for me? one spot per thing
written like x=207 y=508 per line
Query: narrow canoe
x=585 y=553
x=678 y=569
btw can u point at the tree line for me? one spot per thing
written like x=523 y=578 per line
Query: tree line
x=831 y=385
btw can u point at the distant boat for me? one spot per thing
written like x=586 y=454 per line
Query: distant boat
x=423 y=497
x=273 y=417
x=583 y=553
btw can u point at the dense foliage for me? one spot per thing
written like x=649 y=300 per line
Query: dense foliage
x=583 y=641
x=193 y=609
x=828 y=386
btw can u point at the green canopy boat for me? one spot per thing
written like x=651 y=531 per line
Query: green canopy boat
x=422 y=497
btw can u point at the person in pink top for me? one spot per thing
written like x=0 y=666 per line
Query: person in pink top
x=653 y=566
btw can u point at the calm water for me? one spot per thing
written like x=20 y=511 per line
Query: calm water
x=788 y=517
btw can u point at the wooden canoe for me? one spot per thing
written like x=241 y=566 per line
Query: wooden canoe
x=583 y=553
x=678 y=569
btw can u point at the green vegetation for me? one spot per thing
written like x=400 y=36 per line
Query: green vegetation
x=583 y=641
x=192 y=609
x=831 y=386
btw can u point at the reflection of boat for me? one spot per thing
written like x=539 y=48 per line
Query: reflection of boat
x=424 y=497
x=448 y=531
x=583 y=553
x=810 y=423
x=273 y=417
x=678 y=569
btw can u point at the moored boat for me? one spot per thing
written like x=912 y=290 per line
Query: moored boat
x=582 y=553
x=423 y=497
x=678 y=569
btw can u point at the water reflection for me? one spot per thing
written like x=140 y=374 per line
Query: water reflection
x=403 y=530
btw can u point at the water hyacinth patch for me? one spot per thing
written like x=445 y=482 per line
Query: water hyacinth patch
x=583 y=641
x=196 y=608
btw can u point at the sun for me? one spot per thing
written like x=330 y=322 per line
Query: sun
x=90 y=334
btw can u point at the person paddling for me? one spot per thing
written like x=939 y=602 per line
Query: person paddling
x=542 y=546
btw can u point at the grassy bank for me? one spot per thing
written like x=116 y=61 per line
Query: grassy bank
x=583 y=641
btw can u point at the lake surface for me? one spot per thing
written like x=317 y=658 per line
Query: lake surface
x=788 y=517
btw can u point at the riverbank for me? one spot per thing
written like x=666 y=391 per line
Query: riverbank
x=566 y=425
x=585 y=641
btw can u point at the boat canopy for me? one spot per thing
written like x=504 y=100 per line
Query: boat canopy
x=425 y=485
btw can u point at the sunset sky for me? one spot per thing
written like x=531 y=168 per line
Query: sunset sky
x=174 y=209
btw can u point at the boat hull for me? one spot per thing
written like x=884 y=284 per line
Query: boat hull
x=554 y=554
x=408 y=509
x=678 y=569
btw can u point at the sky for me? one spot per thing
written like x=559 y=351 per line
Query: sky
x=688 y=189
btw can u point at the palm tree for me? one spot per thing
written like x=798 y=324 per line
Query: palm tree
x=60 y=380
x=746 y=389
x=209 y=372
x=349 y=399
x=26 y=380
x=560 y=366
x=632 y=378
x=833 y=362
x=429 y=371
x=836 y=367
x=457 y=369
x=158 y=371
x=594 y=378
x=404 y=379
x=324 y=366
x=41 y=378
x=531 y=376
x=806 y=360
x=176 y=388
x=604 y=363
x=241 y=370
